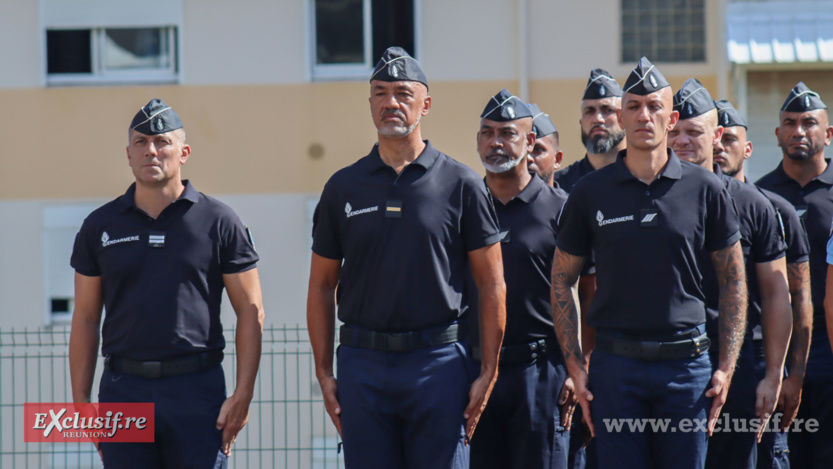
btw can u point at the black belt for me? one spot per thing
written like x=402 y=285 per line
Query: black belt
x=510 y=354
x=650 y=350
x=400 y=341
x=164 y=368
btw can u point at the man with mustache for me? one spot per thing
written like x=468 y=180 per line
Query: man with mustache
x=523 y=427
x=647 y=218
x=601 y=133
x=805 y=178
x=395 y=235
x=603 y=138
x=730 y=153
x=756 y=384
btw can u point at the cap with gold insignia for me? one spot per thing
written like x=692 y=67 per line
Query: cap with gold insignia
x=693 y=99
x=505 y=107
x=728 y=116
x=601 y=85
x=645 y=79
x=155 y=118
x=803 y=99
x=541 y=123
x=397 y=65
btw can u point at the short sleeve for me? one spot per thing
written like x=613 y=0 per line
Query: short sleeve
x=478 y=219
x=574 y=236
x=84 y=259
x=722 y=224
x=326 y=240
x=769 y=243
x=237 y=253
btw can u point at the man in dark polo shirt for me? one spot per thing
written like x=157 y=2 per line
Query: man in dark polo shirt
x=647 y=218
x=805 y=179
x=522 y=427
x=601 y=133
x=157 y=259
x=396 y=234
x=756 y=384
x=545 y=158
x=730 y=153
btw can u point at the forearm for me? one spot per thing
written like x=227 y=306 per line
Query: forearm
x=776 y=322
x=321 y=328
x=565 y=272
x=83 y=353
x=248 y=341
x=492 y=300
x=728 y=263
x=798 y=277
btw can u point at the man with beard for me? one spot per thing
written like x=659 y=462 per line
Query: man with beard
x=396 y=234
x=603 y=137
x=520 y=426
x=730 y=153
x=601 y=133
x=756 y=384
x=545 y=158
x=647 y=218
x=805 y=178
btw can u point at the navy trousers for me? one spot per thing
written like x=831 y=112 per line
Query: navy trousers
x=521 y=426
x=813 y=449
x=186 y=409
x=672 y=392
x=736 y=446
x=404 y=410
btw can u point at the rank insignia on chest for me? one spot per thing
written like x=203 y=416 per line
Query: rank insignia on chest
x=393 y=209
x=156 y=239
x=648 y=217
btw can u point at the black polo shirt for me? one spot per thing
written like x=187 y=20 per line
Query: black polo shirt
x=647 y=241
x=566 y=179
x=162 y=279
x=404 y=239
x=761 y=241
x=569 y=176
x=814 y=205
x=798 y=246
x=527 y=225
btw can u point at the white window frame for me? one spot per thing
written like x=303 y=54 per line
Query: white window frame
x=334 y=72
x=100 y=75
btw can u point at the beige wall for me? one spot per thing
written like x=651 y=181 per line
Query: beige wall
x=69 y=142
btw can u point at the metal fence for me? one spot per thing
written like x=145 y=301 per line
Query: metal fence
x=288 y=426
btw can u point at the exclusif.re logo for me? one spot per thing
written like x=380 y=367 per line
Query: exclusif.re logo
x=66 y=421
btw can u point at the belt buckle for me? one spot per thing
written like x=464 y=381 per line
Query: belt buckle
x=398 y=342
x=152 y=369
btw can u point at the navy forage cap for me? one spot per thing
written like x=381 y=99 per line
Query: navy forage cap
x=802 y=99
x=693 y=99
x=505 y=107
x=601 y=85
x=645 y=79
x=397 y=65
x=728 y=116
x=155 y=118
x=541 y=123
